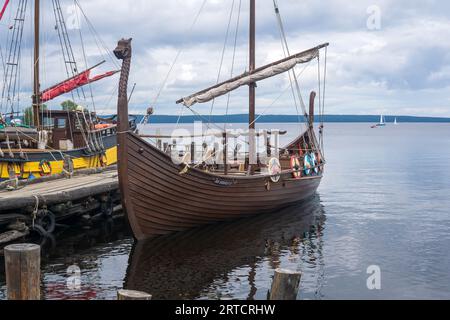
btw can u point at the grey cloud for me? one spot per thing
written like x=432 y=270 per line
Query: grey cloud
x=402 y=68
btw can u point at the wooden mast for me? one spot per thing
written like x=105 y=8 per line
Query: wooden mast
x=252 y=86
x=36 y=85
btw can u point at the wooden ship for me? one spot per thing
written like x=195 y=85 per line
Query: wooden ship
x=55 y=164
x=41 y=142
x=161 y=195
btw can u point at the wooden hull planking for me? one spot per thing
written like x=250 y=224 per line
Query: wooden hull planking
x=159 y=200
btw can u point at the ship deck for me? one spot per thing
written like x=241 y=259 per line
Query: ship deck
x=58 y=191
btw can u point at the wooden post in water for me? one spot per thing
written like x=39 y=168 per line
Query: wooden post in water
x=23 y=271
x=132 y=295
x=193 y=152
x=225 y=153
x=158 y=139
x=285 y=285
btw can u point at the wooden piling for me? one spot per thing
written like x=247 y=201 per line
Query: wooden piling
x=158 y=140
x=23 y=271
x=285 y=285
x=132 y=295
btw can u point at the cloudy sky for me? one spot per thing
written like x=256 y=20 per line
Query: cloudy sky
x=390 y=57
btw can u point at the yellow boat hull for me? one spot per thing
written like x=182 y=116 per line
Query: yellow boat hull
x=37 y=169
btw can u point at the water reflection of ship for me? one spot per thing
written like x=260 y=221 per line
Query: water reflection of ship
x=181 y=266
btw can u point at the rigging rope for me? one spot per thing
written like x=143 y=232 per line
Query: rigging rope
x=233 y=61
x=178 y=53
x=98 y=40
x=70 y=62
x=296 y=82
x=282 y=93
x=323 y=104
x=286 y=53
x=223 y=55
x=85 y=58
x=13 y=63
x=68 y=56
x=208 y=124
x=101 y=45
x=92 y=137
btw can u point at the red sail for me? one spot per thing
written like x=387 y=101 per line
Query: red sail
x=4 y=9
x=65 y=87
x=100 y=77
x=74 y=83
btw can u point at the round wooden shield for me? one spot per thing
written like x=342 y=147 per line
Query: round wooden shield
x=319 y=161
x=296 y=167
x=274 y=169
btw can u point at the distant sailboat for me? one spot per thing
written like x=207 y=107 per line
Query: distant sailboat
x=382 y=122
x=395 y=122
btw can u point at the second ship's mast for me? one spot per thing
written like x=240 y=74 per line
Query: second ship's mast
x=36 y=84
x=252 y=86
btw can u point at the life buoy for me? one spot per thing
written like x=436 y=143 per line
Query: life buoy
x=102 y=126
x=295 y=167
x=45 y=168
x=314 y=163
x=103 y=160
x=307 y=165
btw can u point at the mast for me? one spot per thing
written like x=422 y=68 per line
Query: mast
x=252 y=60
x=36 y=89
x=252 y=86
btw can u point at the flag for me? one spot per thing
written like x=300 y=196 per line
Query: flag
x=4 y=9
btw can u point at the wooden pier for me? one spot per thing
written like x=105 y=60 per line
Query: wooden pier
x=38 y=206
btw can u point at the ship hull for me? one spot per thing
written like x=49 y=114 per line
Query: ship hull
x=31 y=162
x=160 y=199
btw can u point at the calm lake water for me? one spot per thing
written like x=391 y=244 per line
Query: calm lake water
x=384 y=201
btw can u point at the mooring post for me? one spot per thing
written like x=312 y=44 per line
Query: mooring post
x=23 y=271
x=132 y=295
x=158 y=139
x=285 y=285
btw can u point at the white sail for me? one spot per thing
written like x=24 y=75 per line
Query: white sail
x=246 y=79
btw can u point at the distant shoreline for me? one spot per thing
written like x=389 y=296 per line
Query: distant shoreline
x=241 y=118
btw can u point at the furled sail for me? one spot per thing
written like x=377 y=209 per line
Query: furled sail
x=259 y=74
x=73 y=83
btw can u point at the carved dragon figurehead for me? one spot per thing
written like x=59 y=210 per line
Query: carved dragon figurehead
x=123 y=52
x=123 y=49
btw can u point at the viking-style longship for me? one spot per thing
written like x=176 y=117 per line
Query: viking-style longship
x=37 y=141
x=164 y=189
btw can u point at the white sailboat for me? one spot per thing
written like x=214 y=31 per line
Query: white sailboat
x=382 y=122
x=395 y=122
